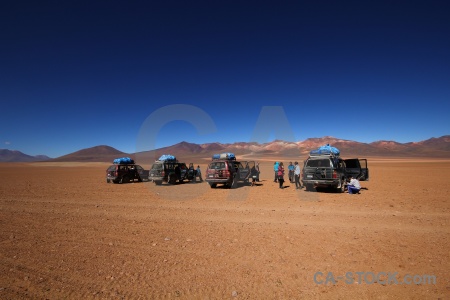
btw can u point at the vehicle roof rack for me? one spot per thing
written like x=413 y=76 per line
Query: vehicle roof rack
x=323 y=154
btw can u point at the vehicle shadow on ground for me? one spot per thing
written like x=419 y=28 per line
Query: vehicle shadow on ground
x=225 y=187
x=327 y=191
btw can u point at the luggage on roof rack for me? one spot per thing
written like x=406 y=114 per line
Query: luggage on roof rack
x=123 y=161
x=325 y=150
x=167 y=157
x=226 y=155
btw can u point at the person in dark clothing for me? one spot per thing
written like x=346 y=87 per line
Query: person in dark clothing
x=253 y=174
x=178 y=172
x=281 y=174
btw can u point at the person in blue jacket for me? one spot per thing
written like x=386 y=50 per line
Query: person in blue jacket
x=275 y=169
x=291 y=172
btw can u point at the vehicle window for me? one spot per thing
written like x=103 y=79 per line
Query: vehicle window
x=183 y=167
x=318 y=163
x=217 y=165
x=139 y=168
x=123 y=168
x=250 y=164
x=339 y=163
x=351 y=163
x=157 y=167
x=238 y=165
x=363 y=163
x=111 y=168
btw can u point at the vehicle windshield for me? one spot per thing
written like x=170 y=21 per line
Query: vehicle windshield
x=157 y=167
x=112 y=168
x=217 y=165
x=318 y=163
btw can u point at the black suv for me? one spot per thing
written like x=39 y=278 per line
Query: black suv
x=332 y=171
x=166 y=171
x=122 y=173
x=228 y=172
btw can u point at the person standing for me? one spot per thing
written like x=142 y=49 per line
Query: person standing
x=297 y=176
x=191 y=172
x=275 y=169
x=257 y=171
x=354 y=186
x=291 y=172
x=178 y=173
x=253 y=174
x=281 y=174
x=198 y=174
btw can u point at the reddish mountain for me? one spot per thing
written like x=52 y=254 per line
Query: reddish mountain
x=434 y=147
x=442 y=143
x=94 y=154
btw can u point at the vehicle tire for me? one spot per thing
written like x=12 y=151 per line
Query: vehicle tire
x=158 y=182
x=172 y=179
x=139 y=179
x=212 y=185
x=107 y=181
x=309 y=187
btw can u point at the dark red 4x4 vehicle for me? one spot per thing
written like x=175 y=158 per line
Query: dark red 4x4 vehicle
x=224 y=169
x=122 y=173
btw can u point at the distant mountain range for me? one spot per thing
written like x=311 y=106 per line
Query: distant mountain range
x=17 y=156
x=434 y=147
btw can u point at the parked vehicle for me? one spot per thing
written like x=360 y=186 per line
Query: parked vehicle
x=166 y=171
x=327 y=170
x=226 y=170
x=123 y=173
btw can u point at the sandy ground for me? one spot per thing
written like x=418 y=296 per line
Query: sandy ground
x=66 y=233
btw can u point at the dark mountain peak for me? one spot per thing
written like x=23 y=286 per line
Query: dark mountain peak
x=17 y=156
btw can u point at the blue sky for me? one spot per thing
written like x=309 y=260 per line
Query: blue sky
x=76 y=74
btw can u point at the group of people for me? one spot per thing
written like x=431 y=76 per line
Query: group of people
x=293 y=174
x=294 y=171
x=353 y=186
x=197 y=173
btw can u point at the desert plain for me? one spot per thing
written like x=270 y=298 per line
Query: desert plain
x=67 y=234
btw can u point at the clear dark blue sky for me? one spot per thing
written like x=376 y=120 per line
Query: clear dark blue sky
x=76 y=74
